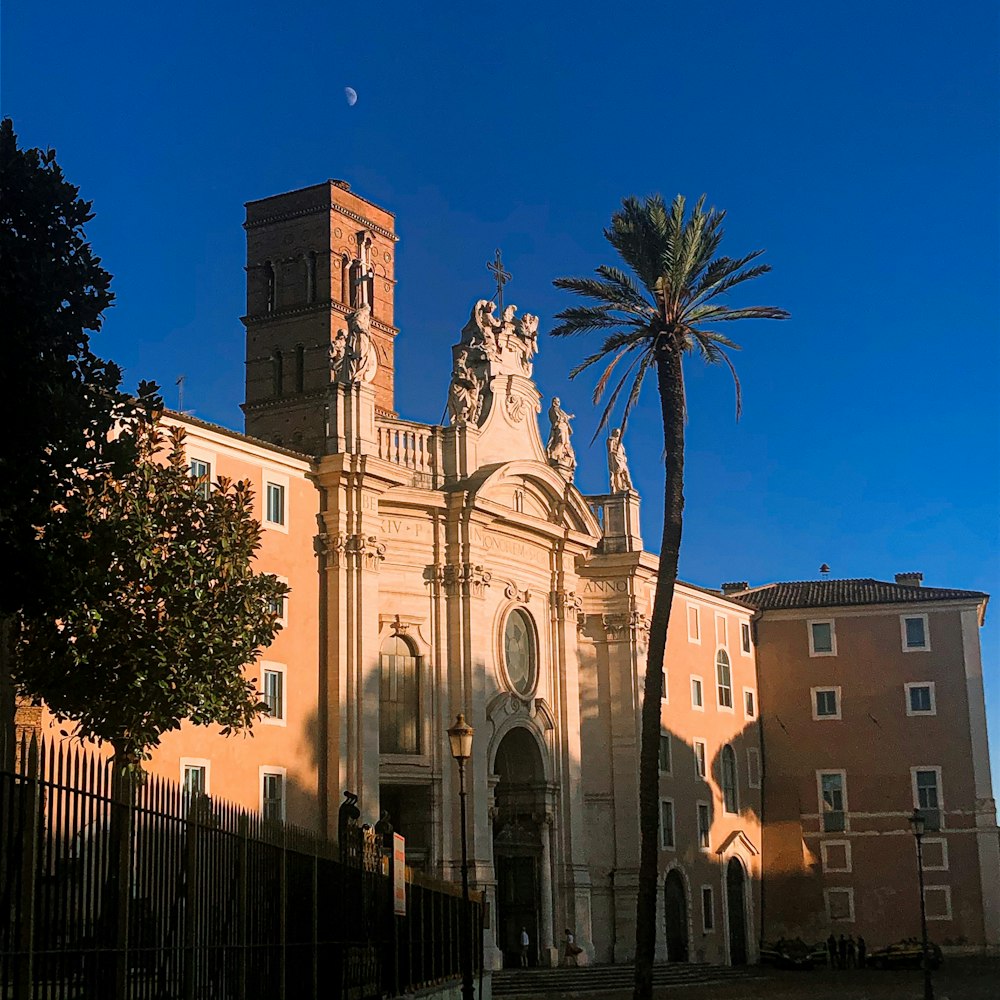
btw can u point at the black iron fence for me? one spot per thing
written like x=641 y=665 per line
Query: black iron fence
x=115 y=890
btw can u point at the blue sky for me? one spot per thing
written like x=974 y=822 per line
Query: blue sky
x=857 y=142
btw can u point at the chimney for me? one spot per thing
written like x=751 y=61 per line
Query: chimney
x=909 y=579
x=734 y=588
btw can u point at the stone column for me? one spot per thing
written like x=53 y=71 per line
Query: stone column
x=548 y=953
x=660 y=952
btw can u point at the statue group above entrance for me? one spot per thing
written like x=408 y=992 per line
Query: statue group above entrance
x=559 y=450
x=618 y=463
x=352 y=353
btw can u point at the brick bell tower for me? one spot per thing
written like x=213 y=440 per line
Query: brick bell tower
x=313 y=256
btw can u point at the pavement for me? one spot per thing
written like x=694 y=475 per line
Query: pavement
x=957 y=979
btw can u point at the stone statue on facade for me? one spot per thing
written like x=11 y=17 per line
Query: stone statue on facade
x=526 y=332
x=465 y=396
x=559 y=450
x=357 y=359
x=482 y=329
x=618 y=463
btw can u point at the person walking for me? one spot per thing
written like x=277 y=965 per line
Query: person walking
x=862 y=952
x=572 y=948
x=831 y=947
x=852 y=952
x=842 y=952
x=525 y=943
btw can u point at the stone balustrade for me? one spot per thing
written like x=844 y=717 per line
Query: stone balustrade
x=413 y=446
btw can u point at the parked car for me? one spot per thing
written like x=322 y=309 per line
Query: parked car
x=792 y=953
x=904 y=954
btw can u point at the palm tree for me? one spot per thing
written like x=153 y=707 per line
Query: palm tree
x=659 y=312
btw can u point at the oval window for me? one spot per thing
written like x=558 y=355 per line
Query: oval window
x=519 y=652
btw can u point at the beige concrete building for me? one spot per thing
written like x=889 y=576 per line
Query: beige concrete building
x=872 y=706
x=438 y=569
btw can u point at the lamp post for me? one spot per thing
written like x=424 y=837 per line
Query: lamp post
x=917 y=826
x=460 y=737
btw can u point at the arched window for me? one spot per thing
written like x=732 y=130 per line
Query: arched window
x=399 y=697
x=519 y=651
x=723 y=679
x=277 y=373
x=272 y=287
x=300 y=367
x=730 y=792
x=311 y=276
x=345 y=280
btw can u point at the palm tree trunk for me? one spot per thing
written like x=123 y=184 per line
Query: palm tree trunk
x=670 y=382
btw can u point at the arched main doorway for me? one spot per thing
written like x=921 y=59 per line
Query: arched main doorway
x=737 y=909
x=675 y=913
x=517 y=844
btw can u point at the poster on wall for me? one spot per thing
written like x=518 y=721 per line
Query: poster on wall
x=399 y=875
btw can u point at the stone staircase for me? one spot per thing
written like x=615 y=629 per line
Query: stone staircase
x=601 y=978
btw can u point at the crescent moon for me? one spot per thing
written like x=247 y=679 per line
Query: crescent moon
x=352 y=96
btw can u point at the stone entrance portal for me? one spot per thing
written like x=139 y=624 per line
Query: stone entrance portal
x=521 y=856
x=675 y=912
x=737 y=909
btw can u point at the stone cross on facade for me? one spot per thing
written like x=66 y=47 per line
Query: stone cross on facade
x=495 y=267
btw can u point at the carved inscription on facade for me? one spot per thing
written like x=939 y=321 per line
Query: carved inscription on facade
x=404 y=527
x=606 y=587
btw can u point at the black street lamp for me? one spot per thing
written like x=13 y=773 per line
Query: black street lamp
x=460 y=736
x=917 y=823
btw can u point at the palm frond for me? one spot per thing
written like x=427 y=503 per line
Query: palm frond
x=753 y=312
x=586 y=319
x=610 y=345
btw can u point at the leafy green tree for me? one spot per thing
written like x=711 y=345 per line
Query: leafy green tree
x=161 y=613
x=661 y=309
x=58 y=400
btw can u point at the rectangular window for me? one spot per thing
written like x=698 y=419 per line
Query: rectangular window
x=721 y=635
x=913 y=629
x=745 y=636
x=704 y=826
x=194 y=777
x=822 y=638
x=275 y=513
x=920 y=698
x=826 y=703
x=274 y=693
x=697 y=694
x=927 y=795
x=694 y=623
x=707 y=909
x=202 y=470
x=836 y=855
x=753 y=767
x=663 y=759
x=700 y=758
x=272 y=793
x=749 y=703
x=664 y=690
x=840 y=904
x=832 y=801
x=666 y=824
x=937 y=902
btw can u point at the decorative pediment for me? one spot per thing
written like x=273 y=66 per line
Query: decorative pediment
x=543 y=714
x=737 y=839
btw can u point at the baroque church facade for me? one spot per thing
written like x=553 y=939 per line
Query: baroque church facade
x=456 y=568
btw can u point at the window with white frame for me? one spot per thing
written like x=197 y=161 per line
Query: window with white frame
x=723 y=681
x=273 y=681
x=730 y=787
x=914 y=633
x=836 y=855
x=721 y=633
x=700 y=758
x=201 y=470
x=697 y=694
x=272 y=792
x=663 y=757
x=749 y=703
x=937 y=902
x=667 y=824
x=833 y=800
x=753 y=767
x=825 y=703
x=274 y=511
x=839 y=904
x=195 y=773
x=694 y=623
x=745 y=642
x=927 y=795
x=920 y=698
x=399 y=697
x=704 y=825
x=707 y=909
x=934 y=854
x=822 y=637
